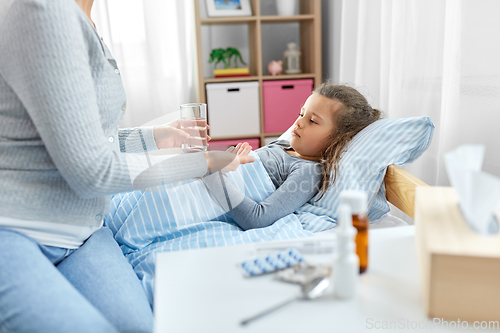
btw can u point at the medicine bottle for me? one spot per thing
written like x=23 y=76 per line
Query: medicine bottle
x=357 y=200
x=345 y=260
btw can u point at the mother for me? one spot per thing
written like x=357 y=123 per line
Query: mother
x=61 y=101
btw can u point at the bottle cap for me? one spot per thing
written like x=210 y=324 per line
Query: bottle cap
x=356 y=199
x=344 y=217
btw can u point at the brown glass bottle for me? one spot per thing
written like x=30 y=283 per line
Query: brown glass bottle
x=361 y=223
x=358 y=202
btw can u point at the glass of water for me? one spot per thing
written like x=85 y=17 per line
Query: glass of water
x=194 y=122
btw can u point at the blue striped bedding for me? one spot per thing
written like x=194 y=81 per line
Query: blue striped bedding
x=183 y=216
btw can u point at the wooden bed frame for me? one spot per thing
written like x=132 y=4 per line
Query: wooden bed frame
x=400 y=188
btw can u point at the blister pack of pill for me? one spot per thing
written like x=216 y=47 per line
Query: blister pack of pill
x=303 y=273
x=271 y=263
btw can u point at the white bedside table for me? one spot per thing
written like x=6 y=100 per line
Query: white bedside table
x=203 y=291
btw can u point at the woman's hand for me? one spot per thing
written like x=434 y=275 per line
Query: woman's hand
x=172 y=134
x=230 y=159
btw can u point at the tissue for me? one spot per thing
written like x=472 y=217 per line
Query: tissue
x=478 y=192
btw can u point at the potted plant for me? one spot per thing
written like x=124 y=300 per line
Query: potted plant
x=226 y=56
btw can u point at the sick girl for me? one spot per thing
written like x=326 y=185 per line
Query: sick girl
x=301 y=167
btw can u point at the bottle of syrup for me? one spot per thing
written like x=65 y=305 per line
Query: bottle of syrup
x=358 y=201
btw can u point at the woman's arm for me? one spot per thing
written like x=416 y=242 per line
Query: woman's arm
x=137 y=140
x=168 y=135
x=46 y=57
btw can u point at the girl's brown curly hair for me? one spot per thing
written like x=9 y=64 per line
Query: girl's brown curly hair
x=354 y=115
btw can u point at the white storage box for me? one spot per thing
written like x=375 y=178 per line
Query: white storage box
x=233 y=109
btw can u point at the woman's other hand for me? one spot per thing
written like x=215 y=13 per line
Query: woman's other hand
x=171 y=135
x=230 y=159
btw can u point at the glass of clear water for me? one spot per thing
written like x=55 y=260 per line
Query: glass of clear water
x=194 y=122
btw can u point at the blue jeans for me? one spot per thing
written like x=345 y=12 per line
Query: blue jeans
x=49 y=289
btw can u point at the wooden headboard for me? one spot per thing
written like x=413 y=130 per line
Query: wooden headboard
x=400 y=188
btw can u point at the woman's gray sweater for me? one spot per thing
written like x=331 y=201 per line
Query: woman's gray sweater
x=61 y=101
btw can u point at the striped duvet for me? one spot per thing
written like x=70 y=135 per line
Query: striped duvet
x=183 y=216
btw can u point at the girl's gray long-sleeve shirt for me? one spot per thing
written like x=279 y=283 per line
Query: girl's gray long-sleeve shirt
x=296 y=181
x=61 y=102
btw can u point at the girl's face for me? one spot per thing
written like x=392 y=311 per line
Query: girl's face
x=314 y=125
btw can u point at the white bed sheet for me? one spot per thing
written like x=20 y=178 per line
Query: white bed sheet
x=395 y=218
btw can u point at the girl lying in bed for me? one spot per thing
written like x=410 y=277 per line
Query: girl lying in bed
x=263 y=195
x=329 y=119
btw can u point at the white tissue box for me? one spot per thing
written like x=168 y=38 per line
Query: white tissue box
x=460 y=269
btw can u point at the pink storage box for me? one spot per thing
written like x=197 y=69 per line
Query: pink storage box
x=224 y=144
x=282 y=102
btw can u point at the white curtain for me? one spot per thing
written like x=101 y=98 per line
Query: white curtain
x=436 y=58
x=153 y=42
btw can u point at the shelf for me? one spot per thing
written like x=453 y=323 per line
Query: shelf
x=256 y=78
x=234 y=137
x=289 y=76
x=266 y=135
x=281 y=19
x=249 y=19
x=265 y=34
x=228 y=20
x=231 y=79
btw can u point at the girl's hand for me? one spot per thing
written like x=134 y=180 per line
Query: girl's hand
x=172 y=134
x=240 y=149
x=230 y=159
